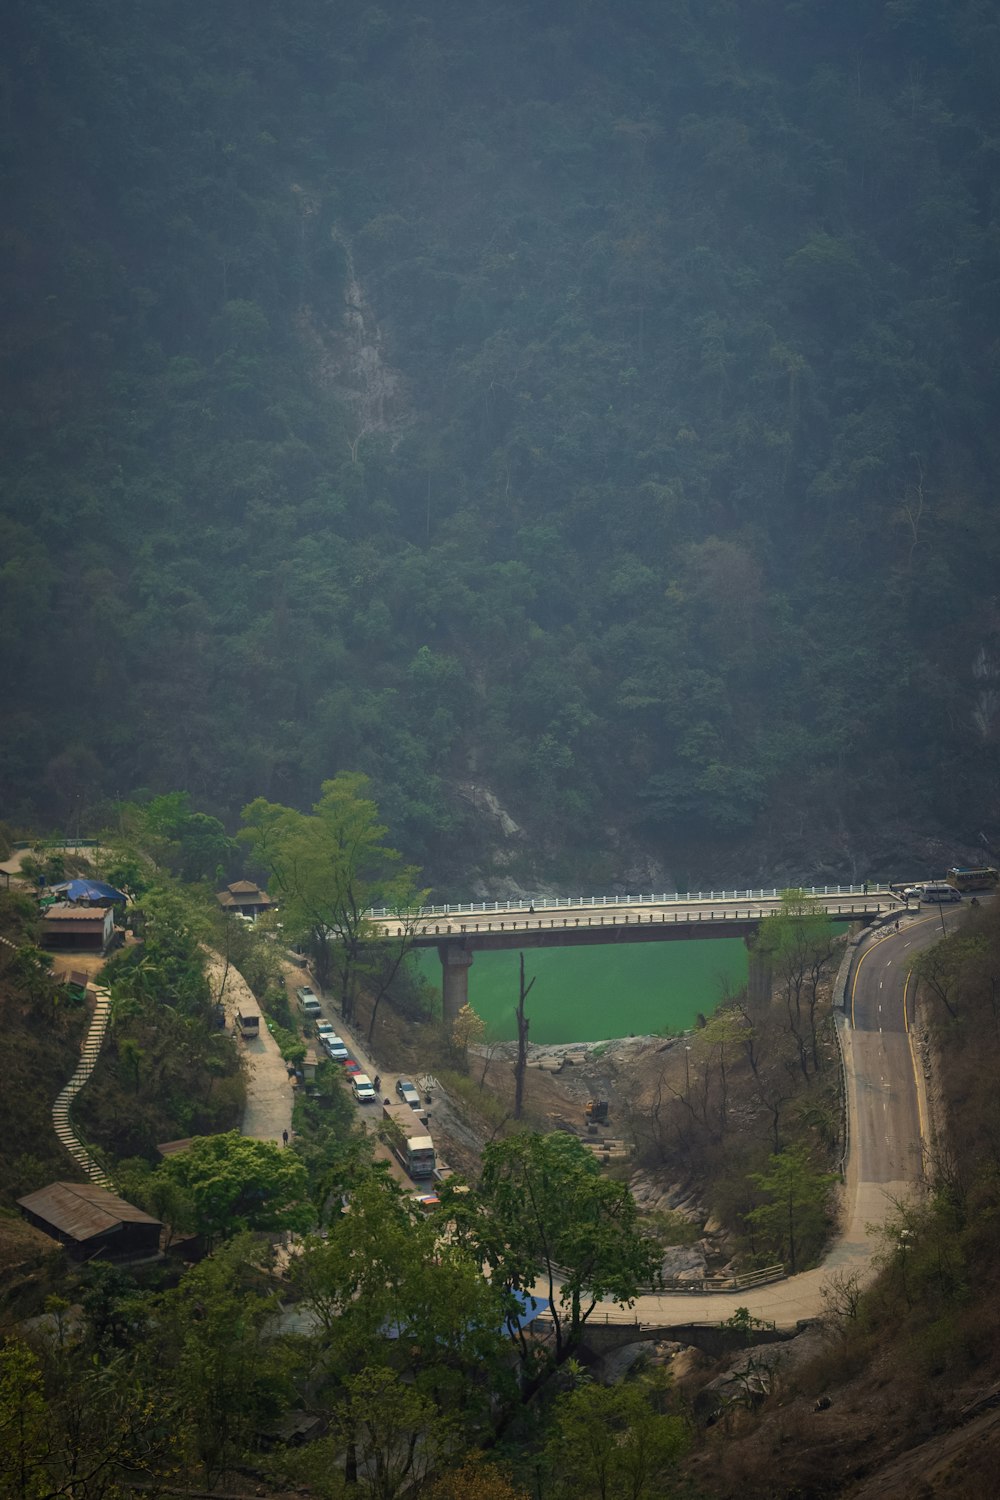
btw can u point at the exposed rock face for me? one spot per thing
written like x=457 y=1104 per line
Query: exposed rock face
x=350 y=359
x=683 y=1263
x=487 y=805
x=653 y=1197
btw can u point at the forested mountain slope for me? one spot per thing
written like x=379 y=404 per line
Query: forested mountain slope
x=594 y=404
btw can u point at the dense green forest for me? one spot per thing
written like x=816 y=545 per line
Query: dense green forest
x=591 y=405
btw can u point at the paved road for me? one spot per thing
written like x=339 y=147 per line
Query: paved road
x=887 y=1116
x=886 y=1123
x=268 y=1109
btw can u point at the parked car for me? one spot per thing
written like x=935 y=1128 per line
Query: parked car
x=310 y=1008
x=336 y=1048
x=304 y=992
x=350 y=1066
x=932 y=890
x=940 y=890
x=325 y=1029
x=364 y=1089
x=408 y=1094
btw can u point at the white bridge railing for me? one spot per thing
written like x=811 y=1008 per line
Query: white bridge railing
x=668 y=898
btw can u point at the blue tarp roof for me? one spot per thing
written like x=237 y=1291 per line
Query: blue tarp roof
x=88 y=890
x=529 y=1309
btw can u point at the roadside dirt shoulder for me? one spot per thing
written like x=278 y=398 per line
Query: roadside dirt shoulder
x=268 y=1112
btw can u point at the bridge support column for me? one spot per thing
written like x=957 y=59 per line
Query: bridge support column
x=455 y=965
x=759 y=978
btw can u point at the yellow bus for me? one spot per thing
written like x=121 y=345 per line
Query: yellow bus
x=964 y=878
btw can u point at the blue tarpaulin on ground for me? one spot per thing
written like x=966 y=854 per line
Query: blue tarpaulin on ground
x=529 y=1308
x=88 y=890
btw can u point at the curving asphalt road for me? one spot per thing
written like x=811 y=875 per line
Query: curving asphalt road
x=887 y=1134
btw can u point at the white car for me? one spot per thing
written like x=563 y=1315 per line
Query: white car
x=324 y=1029
x=364 y=1089
x=336 y=1048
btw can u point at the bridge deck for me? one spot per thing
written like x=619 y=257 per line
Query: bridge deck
x=653 y=920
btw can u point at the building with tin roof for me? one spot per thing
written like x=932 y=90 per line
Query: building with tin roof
x=68 y=926
x=91 y=1221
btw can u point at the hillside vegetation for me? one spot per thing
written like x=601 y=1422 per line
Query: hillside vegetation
x=584 y=405
x=909 y=1371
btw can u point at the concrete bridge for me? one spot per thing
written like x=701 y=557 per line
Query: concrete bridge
x=458 y=931
x=715 y=1339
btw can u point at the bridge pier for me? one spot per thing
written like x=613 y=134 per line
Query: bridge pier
x=758 y=976
x=455 y=965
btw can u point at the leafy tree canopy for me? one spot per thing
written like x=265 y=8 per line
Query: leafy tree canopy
x=330 y=869
x=234 y=1183
x=544 y=1215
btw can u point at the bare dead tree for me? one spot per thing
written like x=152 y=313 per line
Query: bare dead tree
x=522 y=1044
x=489 y=1052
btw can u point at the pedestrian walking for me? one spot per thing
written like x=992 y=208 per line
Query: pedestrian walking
x=284 y=1137
x=377 y=1082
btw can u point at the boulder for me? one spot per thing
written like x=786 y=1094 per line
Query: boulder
x=683 y=1263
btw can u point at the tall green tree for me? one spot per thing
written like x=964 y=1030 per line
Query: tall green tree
x=194 y=845
x=330 y=868
x=793 y=1220
x=544 y=1219
x=74 y=1423
x=612 y=1442
x=389 y=1293
x=796 y=941
x=234 y=1183
x=25 y=1437
x=227 y=1371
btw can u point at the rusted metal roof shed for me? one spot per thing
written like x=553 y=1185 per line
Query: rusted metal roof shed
x=91 y=1221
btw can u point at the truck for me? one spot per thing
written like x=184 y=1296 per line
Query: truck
x=409 y=1140
x=247 y=1021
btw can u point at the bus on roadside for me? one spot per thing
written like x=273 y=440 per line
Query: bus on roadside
x=973 y=878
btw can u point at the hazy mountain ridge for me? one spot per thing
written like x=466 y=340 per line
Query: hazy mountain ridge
x=690 y=530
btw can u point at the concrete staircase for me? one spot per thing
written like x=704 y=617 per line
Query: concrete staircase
x=61 y=1108
x=88 y=1057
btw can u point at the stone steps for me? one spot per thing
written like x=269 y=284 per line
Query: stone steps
x=89 y=1053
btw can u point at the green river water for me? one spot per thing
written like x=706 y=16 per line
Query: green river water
x=594 y=994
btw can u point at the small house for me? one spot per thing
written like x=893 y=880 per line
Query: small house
x=91 y=1221
x=68 y=926
x=245 y=899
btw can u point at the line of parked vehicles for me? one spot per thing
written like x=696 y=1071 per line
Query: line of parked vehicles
x=406 y=1131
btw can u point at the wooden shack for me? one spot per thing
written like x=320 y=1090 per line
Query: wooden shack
x=91 y=1221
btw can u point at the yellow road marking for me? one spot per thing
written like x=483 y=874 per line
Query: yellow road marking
x=909 y=927
x=854 y=986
